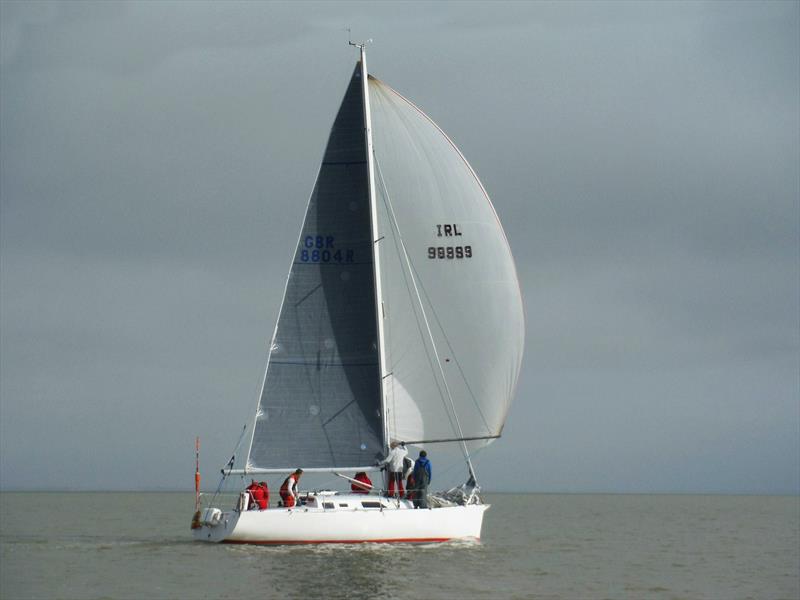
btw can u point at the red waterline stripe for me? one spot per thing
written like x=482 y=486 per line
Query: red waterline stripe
x=297 y=542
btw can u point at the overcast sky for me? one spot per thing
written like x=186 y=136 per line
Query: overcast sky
x=155 y=164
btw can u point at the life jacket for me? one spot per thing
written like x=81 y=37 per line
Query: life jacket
x=410 y=484
x=251 y=491
x=258 y=496
x=261 y=495
x=265 y=491
x=285 y=486
x=359 y=489
x=286 y=495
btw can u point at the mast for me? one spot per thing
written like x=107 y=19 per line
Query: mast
x=373 y=207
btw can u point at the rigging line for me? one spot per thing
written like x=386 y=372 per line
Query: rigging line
x=327 y=363
x=453 y=353
x=230 y=464
x=416 y=318
x=443 y=393
x=433 y=309
x=338 y=412
x=449 y=466
x=401 y=251
x=408 y=287
x=442 y=441
x=450 y=347
x=304 y=298
x=427 y=325
x=319 y=393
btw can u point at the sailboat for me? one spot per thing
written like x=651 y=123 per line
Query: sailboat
x=401 y=321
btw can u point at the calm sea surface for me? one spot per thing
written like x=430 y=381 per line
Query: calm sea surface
x=137 y=545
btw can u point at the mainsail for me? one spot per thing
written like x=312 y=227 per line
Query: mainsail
x=320 y=403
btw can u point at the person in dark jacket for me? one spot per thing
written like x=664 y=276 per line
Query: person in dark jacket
x=422 y=478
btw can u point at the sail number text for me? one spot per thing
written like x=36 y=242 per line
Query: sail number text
x=449 y=252
x=321 y=249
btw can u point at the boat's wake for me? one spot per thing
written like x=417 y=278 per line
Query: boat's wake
x=362 y=548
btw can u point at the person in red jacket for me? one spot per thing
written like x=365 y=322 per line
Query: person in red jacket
x=258 y=497
x=410 y=487
x=289 y=489
x=264 y=502
x=253 y=495
x=362 y=483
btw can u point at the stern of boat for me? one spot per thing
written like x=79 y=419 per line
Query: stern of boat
x=213 y=524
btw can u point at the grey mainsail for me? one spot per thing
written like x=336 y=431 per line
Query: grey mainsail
x=320 y=404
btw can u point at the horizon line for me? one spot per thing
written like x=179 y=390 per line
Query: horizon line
x=157 y=490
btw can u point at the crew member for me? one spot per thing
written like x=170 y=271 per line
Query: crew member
x=408 y=475
x=361 y=484
x=410 y=487
x=252 y=495
x=264 y=502
x=394 y=460
x=422 y=478
x=258 y=498
x=289 y=489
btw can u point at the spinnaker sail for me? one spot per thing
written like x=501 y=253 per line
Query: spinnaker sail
x=454 y=321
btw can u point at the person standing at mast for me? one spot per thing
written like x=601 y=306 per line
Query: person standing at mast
x=394 y=461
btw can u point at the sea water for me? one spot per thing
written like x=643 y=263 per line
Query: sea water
x=138 y=545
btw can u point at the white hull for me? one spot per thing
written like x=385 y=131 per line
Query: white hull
x=391 y=521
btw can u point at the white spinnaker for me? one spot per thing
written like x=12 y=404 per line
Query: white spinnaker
x=467 y=305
